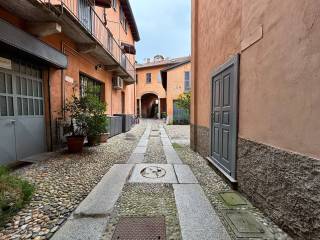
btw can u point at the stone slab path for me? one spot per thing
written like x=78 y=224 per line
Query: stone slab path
x=198 y=220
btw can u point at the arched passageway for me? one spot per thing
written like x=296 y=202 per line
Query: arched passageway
x=149 y=105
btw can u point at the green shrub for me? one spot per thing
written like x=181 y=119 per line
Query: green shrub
x=14 y=194
x=96 y=118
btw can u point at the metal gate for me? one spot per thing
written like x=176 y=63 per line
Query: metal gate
x=224 y=117
x=180 y=116
x=22 y=125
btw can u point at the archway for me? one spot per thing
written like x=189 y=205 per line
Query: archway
x=149 y=105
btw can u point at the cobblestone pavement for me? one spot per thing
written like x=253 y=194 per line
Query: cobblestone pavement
x=141 y=199
x=179 y=134
x=154 y=152
x=213 y=184
x=62 y=182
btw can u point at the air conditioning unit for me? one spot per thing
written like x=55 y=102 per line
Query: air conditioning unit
x=117 y=82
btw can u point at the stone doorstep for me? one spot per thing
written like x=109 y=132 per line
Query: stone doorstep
x=102 y=198
x=197 y=218
x=39 y=157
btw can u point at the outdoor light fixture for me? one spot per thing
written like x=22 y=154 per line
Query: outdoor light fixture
x=157 y=101
x=99 y=67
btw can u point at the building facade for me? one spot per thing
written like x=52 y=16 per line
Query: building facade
x=254 y=110
x=159 y=84
x=52 y=49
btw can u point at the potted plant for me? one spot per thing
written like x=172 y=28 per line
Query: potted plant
x=77 y=124
x=96 y=119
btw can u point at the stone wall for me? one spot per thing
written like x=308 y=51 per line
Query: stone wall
x=286 y=186
x=199 y=139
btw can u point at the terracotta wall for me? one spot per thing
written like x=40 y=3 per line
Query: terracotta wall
x=279 y=75
x=278 y=152
x=113 y=24
x=175 y=85
x=207 y=56
x=61 y=90
x=282 y=67
x=154 y=87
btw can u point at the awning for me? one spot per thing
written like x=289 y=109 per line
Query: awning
x=128 y=48
x=25 y=42
x=103 y=3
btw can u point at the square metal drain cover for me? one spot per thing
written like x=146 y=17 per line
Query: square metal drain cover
x=233 y=199
x=244 y=225
x=140 y=228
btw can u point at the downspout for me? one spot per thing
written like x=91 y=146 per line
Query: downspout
x=194 y=74
x=62 y=85
x=50 y=113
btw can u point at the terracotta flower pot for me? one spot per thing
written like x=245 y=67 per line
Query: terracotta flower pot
x=93 y=140
x=104 y=137
x=75 y=144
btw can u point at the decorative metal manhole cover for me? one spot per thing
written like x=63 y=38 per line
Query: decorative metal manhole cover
x=142 y=228
x=153 y=172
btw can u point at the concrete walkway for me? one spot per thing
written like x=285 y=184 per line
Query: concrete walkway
x=198 y=220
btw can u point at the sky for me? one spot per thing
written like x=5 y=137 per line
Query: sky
x=164 y=27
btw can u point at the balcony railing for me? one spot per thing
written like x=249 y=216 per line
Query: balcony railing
x=83 y=11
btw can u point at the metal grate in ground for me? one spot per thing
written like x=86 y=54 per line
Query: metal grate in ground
x=140 y=228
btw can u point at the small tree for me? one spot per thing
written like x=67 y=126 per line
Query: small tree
x=184 y=100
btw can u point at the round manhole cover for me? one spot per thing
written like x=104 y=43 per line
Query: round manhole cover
x=153 y=172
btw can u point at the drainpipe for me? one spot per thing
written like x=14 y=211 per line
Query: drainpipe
x=50 y=113
x=62 y=85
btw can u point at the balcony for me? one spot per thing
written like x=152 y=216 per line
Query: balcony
x=81 y=23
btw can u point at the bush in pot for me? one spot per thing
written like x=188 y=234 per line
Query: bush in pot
x=76 y=112
x=96 y=119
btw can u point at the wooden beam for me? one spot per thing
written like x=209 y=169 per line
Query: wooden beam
x=42 y=29
x=87 y=47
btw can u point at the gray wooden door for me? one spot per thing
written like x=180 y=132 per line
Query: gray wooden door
x=224 y=117
x=22 y=124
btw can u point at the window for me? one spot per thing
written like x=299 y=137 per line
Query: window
x=159 y=78
x=114 y=4
x=110 y=43
x=123 y=20
x=90 y=86
x=148 y=78
x=136 y=78
x=187 y=84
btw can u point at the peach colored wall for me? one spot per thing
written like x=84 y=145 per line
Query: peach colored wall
x=175 y=85
x=154 y=87
x=61 y=91
x=279 y=74
x=113 y=24
x=215 y=37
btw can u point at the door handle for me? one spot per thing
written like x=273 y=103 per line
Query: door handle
x=13 y=121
